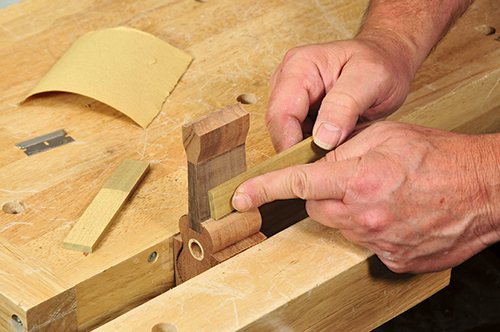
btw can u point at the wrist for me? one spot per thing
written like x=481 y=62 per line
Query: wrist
x=486 y=162
x=396 y=47
x=410 y=28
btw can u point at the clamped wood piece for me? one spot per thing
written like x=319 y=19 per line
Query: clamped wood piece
x=215 y=149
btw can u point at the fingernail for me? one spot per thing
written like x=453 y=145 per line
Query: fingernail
x=327 y=136
x=241 y=202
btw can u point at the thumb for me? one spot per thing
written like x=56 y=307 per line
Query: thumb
x=353 y=93
x=320 y=180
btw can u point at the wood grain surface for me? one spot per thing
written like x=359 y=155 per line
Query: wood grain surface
x=106 y=206
x=215 y=151
x=236 y=45
x=267 y=289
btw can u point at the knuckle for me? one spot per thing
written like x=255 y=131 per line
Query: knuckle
x=265 y=193
x=261 y=191
x=388 y=128
x=298 y=183
x=375 y=220
x=273 y=115
x=290 y=53
x=343 y=102
x=396 y=258
x=395 y=267
x=380 y=70
x=294 y=52
x=391 y=259
x=366 y=186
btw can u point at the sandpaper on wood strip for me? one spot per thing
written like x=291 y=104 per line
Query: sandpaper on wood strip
x=301 y=153
x=127 y=69
x=96 y=219
x=304 y=152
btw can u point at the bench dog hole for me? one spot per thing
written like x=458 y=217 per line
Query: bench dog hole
x=164 y=327
x=13 y=207
x=486 y=30
x=153 y=257
x=247 y=98
x=17 y=323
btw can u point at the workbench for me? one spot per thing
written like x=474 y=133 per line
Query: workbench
x=236 y=45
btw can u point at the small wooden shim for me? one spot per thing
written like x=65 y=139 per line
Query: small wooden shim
x=94 y=222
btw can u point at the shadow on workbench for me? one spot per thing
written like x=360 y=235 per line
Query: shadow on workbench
x=471 y=303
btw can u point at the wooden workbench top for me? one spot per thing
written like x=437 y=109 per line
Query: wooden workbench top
x=236 y=45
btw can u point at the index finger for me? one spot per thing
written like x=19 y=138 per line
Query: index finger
x=317 y=181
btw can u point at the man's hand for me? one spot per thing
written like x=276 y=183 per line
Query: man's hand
x=324 y=89
x=417 y=197
x=421 y=199
x=332 y=86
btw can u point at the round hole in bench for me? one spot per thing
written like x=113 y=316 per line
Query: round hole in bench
x=153 y=257
x=17 y=323
x=13 y=207
x=487 y=30
x=164 y=327
x=247 y=98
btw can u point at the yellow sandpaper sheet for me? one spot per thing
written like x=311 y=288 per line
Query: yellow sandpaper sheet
x=127 y=69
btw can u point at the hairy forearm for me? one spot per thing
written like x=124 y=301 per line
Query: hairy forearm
x=411 y=28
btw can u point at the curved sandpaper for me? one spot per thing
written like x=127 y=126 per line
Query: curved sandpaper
x=127 y=69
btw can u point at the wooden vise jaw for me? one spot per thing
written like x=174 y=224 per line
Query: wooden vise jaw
x=215 y=149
